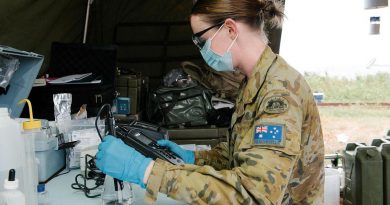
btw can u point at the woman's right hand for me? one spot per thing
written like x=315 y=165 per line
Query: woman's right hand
x=186 y=155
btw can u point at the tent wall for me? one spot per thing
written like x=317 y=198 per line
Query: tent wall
x=152 y=36
x=122 y=22
x=32 y=25
x=105 y=15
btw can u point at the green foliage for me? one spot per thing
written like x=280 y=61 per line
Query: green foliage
x=370 y=88
x=355 y=112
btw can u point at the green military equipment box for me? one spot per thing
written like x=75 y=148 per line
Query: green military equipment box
x=384 y=148
x=203 y=136
x=363 y=175
x=134 y=87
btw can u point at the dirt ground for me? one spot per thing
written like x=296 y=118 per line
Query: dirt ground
x=342 y=125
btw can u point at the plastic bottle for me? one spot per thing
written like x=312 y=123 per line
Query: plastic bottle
x=12 y=147
x=31 y=132
x=11 y=194
x=43 y=195
x=115 y=194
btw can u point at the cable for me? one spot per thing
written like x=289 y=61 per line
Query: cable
x=110 y=129
x=59 y=174
x=83 y=186
x=97 y=176
x=98 y=116
x=89 y=164
x=91 y=167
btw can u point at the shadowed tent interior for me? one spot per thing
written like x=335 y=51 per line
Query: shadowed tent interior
x=151 y=36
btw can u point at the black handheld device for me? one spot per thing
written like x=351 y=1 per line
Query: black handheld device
x=141 y=136
x=140 y=139
x=154 y=131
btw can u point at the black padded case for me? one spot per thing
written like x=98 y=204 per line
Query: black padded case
x=67 y=59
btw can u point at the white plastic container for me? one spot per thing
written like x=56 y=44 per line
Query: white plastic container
x=11 y=194
x=332 y=187
x=31 y=175
x=11 y=147
x=31 y=131
x=50 y=160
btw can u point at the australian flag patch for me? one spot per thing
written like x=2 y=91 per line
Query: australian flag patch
x=269 y=134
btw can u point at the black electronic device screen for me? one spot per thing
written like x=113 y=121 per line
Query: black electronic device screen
x=142 y=138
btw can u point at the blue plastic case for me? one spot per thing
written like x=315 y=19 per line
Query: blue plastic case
x=22 y=80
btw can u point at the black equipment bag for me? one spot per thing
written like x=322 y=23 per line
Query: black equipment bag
x=71 y=58
x=74 y=58
x=176 y=107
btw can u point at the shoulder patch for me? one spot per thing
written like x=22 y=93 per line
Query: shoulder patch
x=275 y=105
x=269 y=134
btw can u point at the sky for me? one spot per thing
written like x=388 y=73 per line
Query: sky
x=332 y=36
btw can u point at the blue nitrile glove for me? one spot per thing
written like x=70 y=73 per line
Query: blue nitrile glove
x=187 y=156
x=120 y=161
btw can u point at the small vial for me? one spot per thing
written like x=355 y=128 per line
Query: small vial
x=43 y=195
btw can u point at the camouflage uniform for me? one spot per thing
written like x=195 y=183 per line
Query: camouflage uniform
x=249 y=169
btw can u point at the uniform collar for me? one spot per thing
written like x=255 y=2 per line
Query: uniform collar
x=258 y=75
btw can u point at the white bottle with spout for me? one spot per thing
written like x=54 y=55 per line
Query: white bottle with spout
x=31 y=131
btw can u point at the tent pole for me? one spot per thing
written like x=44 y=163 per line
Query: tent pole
x=86 y=21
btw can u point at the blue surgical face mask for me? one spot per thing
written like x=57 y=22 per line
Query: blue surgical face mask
x=216 y=61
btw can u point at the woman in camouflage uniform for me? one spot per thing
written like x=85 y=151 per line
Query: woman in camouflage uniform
x=275 y=151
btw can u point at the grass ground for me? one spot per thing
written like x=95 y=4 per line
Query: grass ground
x=341 y=125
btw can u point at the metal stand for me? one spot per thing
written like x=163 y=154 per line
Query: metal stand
x=86 y=21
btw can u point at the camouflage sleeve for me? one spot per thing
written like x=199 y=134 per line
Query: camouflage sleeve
x=261 y=173
x=256 y=181
x=217 y=157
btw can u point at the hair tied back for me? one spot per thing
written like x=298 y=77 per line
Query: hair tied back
x=271 y=12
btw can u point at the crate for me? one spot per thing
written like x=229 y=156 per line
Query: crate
x=134 y=87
